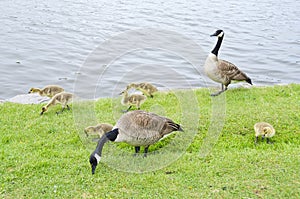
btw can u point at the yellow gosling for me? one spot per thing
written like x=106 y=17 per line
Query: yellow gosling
x=99 y=129
x=264 y=129
x=48 y=91
x=146 y=88
x=61 y=98
x=133 y=99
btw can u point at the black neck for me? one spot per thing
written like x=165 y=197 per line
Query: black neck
x=218 y=45
x=112 y=135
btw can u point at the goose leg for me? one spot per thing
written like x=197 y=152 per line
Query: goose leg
x=221 y=91
x=268 y=141
x=146 y=151
x=137 y=150
x=68 y=107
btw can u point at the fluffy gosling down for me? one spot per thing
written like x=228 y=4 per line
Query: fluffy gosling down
x=146 y=88
x=263 y=129
x=99 y=129
x=137 y=128
x=222 y=71
x=48 y=91
x=133 y=99
x=63 y=98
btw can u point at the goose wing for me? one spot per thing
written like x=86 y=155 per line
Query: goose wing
x=230 y=71
x=142 y=125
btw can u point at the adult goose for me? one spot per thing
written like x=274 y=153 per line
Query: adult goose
x=222 y=71
x=137 y=128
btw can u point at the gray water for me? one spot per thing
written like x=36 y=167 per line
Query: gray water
x=52 y=42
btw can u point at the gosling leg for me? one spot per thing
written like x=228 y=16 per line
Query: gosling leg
x=125 y=111
x=256 y=139
x=268 y=141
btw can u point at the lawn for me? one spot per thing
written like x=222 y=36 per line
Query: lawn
x=215 y=157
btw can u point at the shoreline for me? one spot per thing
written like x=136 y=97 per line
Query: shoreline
x=37 y=99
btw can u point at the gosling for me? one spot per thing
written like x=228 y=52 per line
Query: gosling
x=146 y=88
x=62 y=98
x=99 y=129
x=265 y=130
x=48 y=91
x=133 y=99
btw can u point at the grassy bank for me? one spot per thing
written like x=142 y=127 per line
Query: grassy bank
x=47 y=156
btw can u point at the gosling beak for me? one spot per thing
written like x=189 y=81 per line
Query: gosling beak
x=85 y=131
x=42 y=113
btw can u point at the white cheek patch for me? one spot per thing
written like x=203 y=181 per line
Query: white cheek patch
x=98 y=158
x=221 y=34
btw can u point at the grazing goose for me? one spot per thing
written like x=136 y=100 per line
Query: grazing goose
x=99 y=129
x=133 y=99
x=62 y=98
x=265 y=130
x=48 y=91
x=146 y=88
x=220 y=70
x=137 y=128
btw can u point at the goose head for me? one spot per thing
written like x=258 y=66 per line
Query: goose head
x=218 y=33
x=94 y=160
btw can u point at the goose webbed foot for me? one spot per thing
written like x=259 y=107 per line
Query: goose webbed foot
x=217 y=93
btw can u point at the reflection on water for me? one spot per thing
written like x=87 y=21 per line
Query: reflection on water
x=47 y=42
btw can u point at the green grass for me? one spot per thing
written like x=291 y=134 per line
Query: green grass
x=47 y=156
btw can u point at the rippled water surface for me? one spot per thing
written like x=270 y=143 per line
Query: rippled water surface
x=53 y=42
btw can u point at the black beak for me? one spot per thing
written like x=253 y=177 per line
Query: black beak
x=180 y=129
x=42 y=113
x=93 y=168
x=213 y=35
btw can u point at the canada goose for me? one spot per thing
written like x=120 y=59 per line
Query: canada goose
x=147 y=88
x=133 y=99
x=137 y=128
x=99 y=129
x=48 y=91
x=265 y=130
x=62 y=98
x=220 y=70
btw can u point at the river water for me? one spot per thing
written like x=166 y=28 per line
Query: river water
x=57 y=42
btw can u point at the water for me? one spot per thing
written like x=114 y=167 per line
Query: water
x=50 y=42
